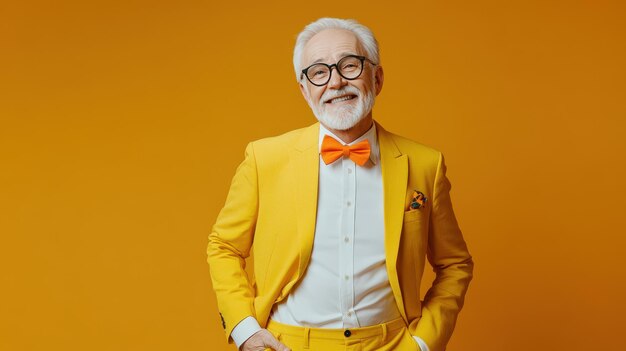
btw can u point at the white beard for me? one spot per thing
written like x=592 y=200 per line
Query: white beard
x=344 y=117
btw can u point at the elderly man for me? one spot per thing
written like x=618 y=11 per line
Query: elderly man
x=342 y=215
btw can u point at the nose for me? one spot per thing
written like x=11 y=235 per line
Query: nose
x=336 y=80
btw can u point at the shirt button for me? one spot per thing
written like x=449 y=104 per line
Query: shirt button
x=349 y=170
x=346 y=277
x=346 y=239
x=347 y=333
x=348 y=203
x=349 y=314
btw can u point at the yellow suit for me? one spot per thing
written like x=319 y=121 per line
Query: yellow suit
x=272 y=203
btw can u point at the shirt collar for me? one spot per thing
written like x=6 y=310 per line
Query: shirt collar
x=370 y=135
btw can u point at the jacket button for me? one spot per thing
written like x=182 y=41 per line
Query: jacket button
x=347 y=333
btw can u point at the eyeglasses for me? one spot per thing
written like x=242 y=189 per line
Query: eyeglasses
x=349 y=67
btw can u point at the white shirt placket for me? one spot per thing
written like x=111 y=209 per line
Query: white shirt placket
x=346 y=244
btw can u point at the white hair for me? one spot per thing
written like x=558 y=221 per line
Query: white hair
x=363 y=34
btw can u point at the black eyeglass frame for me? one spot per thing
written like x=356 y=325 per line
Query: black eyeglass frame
x=330 y=69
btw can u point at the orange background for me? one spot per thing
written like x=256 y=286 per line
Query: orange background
x=114 y=116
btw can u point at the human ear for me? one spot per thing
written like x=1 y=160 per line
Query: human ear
x=379 y=78
x=304 y=91
x=305 y=94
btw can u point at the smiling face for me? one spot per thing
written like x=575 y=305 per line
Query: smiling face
x=341 y=104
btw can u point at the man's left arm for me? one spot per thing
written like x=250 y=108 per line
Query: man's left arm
x=453 y=266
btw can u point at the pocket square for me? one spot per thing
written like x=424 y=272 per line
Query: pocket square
x=418 y=200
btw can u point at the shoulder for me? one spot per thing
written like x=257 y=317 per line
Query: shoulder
x=416 y=151
x=276 y=150
x=280 y=142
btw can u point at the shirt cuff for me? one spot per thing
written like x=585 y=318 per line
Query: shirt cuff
x=421 y=343
x=244 y=330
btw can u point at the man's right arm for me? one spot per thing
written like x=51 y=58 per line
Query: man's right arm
x=229 y=245
x=249 y=336
x=244 y=330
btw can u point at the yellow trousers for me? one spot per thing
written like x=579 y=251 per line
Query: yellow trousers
x=390 y=336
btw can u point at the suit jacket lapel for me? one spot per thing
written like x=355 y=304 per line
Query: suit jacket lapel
x=305 y=168
x=394 y=167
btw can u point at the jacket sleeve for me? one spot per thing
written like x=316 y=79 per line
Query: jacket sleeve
x=229 y=245
x=452 y=264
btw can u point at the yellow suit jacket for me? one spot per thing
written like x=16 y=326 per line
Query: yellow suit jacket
x=272 y=204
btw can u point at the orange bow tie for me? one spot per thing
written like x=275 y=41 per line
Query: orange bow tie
x=332 y=150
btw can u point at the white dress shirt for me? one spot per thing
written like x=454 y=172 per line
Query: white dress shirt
x=346 y=283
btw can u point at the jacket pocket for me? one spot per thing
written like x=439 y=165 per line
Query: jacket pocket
x=412 y=215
